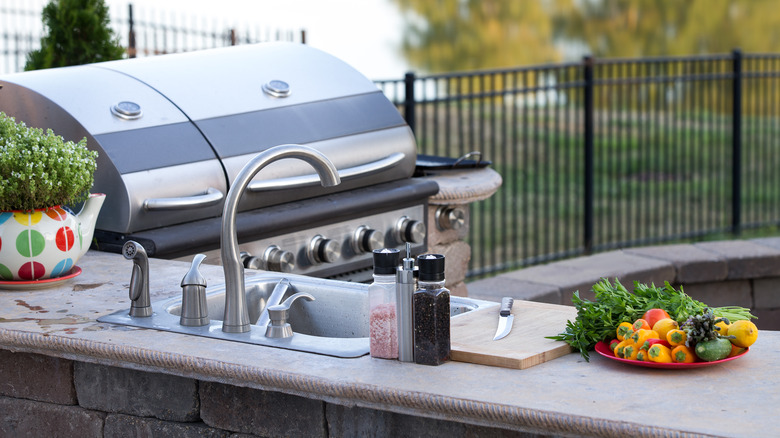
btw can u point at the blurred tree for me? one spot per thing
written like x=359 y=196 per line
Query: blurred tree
x=452 y=35
x=641 y=28
x=78 y=33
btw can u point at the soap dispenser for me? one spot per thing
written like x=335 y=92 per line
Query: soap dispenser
x=194 y=310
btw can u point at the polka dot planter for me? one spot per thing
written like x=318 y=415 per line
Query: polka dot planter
x=45 y=243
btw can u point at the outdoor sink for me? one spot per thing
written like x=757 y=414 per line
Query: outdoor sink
x=335 y=323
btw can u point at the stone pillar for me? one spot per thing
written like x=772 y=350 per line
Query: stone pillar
x=449 y=218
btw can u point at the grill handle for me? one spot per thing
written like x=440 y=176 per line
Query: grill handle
x=211 y=197
x=295 y=182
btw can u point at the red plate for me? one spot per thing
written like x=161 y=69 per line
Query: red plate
x=602 y=348
x=39 y=284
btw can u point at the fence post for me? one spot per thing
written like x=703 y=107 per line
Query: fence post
x=588 y=158
x=131 y=50
x=409 y=103
x=736 y=144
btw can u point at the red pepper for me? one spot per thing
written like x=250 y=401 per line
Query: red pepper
x=650 y=342
x=613 y=343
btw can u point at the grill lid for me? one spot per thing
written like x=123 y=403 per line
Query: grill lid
x=173 y=131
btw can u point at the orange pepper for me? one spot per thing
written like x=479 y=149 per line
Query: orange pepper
x=683 y=354
x=735 y=351
x=659 y=353
x=676 y=337
x=641 y=324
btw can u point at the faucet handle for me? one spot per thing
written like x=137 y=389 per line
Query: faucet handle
x=194 y=309
x=278 y=314
x=193 y=277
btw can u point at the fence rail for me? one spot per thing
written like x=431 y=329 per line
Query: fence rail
x=604 y=154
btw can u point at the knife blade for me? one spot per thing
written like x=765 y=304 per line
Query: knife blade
x=505 y=318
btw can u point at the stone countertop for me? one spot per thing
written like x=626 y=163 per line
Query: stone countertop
x=566 y=396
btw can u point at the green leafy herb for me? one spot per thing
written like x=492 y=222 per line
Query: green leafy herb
x=39 y=170
x=596 y=320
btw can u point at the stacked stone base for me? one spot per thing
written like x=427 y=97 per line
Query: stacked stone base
x=45 y=396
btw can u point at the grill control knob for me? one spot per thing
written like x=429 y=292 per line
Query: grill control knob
x=450 y=218
x=322 y=250
x=279 y=260
x=410 y=230
x=249 y=261
x=365 y=239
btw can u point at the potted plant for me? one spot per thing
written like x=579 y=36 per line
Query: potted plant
x=40 y=173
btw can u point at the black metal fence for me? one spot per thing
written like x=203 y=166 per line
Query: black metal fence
x=603 y=154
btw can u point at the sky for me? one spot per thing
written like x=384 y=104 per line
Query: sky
x=364 y=33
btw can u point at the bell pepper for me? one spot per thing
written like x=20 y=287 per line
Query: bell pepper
x=613 y=343
x=641 y=324
x=683 y=354
x=624 y=329
x=630 y=352
x=659 y=353
x=621 y=346
x=735 y=351
x=640 y=336
x=650 y=342
x=642 y=355
x=676 y=337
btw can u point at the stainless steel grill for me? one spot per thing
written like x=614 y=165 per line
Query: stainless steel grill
x=174 y=131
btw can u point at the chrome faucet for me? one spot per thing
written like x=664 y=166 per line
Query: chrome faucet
x=236 y=319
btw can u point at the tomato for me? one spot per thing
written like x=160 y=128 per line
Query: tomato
x=652 y=316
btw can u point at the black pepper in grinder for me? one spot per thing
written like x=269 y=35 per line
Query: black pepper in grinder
x=431 y=305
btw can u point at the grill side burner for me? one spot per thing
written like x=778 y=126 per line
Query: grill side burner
x=174 y=131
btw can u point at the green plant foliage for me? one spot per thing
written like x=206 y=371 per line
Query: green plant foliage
x=39 y=170
x=78 y=33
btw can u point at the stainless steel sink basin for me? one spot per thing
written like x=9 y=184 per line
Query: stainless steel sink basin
x=335 y=323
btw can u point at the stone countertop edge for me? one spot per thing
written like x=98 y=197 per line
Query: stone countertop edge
x=364 y=395
x=464 y=186
x=433 y=392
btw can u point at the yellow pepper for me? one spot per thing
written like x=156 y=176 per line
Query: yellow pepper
x=630 y=351
x=683 y=354
x=621 y=346
x=640 y=336
x=642 y=355
x=659 y=353
x=625 y=328
x=676 y=337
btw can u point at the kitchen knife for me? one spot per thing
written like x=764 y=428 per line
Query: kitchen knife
x=505 y=318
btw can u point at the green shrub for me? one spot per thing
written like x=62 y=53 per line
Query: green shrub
x=78 y=33
x=39 y=170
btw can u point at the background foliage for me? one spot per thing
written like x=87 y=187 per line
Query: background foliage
x=79 y=32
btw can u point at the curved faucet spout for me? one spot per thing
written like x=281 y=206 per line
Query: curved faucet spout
x=236 y=319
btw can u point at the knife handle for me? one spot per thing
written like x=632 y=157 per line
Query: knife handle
x=506 y=306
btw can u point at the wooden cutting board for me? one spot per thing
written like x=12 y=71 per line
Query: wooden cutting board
x=525 y=346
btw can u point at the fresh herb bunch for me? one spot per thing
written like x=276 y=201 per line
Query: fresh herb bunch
x=40 y=170
x=596 y=320
x=701 y=328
